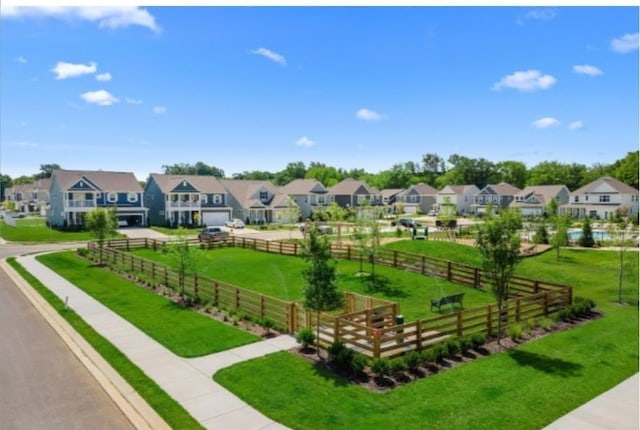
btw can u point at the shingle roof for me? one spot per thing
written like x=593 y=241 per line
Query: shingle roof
x=422 y=189
x=390 y=192
x=504 y=189
x=545 y=193
x=204 y=184
x=348 y=186
x=244 y=189
x=620 y=187
x=459 y=189
x=106 y=181
x=302 y=186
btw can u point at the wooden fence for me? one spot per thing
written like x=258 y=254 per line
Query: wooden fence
x=367 y=324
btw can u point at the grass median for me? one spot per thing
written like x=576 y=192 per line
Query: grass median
x=183 y=331
x=160 y=401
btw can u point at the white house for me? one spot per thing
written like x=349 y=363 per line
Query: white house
x=534 y=199
x=601 y=198
x=462 y=196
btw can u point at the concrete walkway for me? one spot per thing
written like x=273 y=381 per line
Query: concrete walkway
x=188 y=381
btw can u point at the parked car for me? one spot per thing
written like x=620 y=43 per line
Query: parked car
x=212 y=234
x=234 y=223
x=321 y=229
x=405 y=222
x=432 y=213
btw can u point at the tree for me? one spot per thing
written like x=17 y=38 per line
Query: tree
x=185 y=258
x=199 y=168
x=552 y=209
x=320 y=291
x=561 y=236
x=586 y=238
x=626 y=169
x=541 y=236
x=337 y=214
x=101 y=223
x=498 y=240
x=617 y=230
x=5 y=182
x=46 y=170
x=293 y=171
x=513 y=172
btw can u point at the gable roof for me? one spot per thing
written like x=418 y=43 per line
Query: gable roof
x=420 y=188
x=303 y=186
x=545 y=193
x=390 y=192
x=503 y=189
x=620 y=187
x=105 y=181
x=204 y=184
x=349 y=186
x=459 y=189
x=244 y=189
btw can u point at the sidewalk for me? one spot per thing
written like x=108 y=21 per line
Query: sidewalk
x=188 y=381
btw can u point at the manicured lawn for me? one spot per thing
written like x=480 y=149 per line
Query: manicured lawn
x=174 y=231
x=444 y=250
x=183 y=331
x=162 y=403
x=526 y=388
x=35 y=230
x=281 y=276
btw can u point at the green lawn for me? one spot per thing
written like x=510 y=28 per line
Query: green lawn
x=526 y=388
x=174 y=231
x=183 y=331
x=36 y=230
x=444 y=250
x=281 y=276
x=160 y=401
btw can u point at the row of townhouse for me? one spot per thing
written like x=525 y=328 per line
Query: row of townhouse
x=30 y=198
x=206 y=200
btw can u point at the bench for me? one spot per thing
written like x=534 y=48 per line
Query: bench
x=456 y=298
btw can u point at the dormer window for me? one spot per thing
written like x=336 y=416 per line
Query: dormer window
x=264 y=195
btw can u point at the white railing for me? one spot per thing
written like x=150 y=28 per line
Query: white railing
x=184 y=204
x=81 y=203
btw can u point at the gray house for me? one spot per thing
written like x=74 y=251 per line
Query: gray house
x=497 y=195
x=352 y=193
x=459 y=196
x=186 y=200
x=73 y=193
x=418 y=198
x=309 y=194
x=259 y=202
x=533 y=200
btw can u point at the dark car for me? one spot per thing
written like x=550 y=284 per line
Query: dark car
x=212 y=234
x=405 y=222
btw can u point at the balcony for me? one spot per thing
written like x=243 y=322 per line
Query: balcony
x=81 y=203
x=180 y=204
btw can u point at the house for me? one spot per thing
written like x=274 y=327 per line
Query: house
x=309 y=194
x=388 y=196
x=259 y=202
x=418 y=198
x=497 y=195
x=350 y=193
x=19 y=195
x=601 y=198
x=186 y=200
x=534 y=199
x=459 y=197
x=32 y=197
x=73 y=193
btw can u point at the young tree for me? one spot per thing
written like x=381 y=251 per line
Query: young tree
x=586 y=238
x=186 y=259
x=498 y=240
x=337 y=214
x=617 y=230
x=320 y=290
x=561 y=236
x=101 y=223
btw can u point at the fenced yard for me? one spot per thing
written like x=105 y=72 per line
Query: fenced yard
x=366 y=324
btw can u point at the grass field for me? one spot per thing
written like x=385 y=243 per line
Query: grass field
x=281 y=276
x=160 y=401
x=526 y=388
x=36 y=230
x=185 y=332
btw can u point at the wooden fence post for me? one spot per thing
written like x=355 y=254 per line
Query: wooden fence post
x=536 y=286
x=546 y=303
x=295 y=249
x=419 y=335
x=518 y=309
x=237 y=298
x=166 y=277
x=127 y=244
x=261 y=306
x=153 y=271
x=376 y=343
x=449 y=271
x=459 y=323
x=422 y=270
x=280 y=247
x=348 y=252
x=476 y=278
x=195 y=284
x=395 y=258
x=489 y=320
x=216 y=293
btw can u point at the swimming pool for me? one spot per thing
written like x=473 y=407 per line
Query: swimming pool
x=597 y=234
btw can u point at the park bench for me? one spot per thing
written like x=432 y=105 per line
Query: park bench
x=456 y=298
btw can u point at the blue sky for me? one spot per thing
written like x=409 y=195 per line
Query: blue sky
x=254 y=88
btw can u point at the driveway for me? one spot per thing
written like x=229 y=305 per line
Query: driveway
x=141 y=233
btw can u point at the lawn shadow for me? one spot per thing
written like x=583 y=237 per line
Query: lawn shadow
x=320 y=369
x=546 y=364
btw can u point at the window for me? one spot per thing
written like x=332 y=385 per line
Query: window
x=112 y=197
x=576 y=199
x=604 y=198
x=264 y=195
x=217 y=199
x=88 y=196
x=321 y=200
x=203 y=198
x=132 y=197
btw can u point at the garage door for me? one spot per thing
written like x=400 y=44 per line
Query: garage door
x=214 y=218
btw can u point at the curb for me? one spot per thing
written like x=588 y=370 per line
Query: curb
x=132 y=405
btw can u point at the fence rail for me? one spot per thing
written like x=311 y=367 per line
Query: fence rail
x=367 y=324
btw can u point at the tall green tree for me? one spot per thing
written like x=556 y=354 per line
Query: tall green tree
x=513 y=172
x=199 y=168
x=320 y=290
x=293 y=171
x=46 y=170
x=185 y=258
x=101 y=223
x=626 y=169
x=586 y=238
x=498 y=240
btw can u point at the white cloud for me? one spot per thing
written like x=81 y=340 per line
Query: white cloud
x=576 y=125
x=131 y=101
x=100 y=98
x=541 y=14
x=527 y=81
x=21 y=60
x=159 y=110
x=65 y=70
x=105 y=17
x=546 y=122
x=585 y=69
x=368 y=115
x=627 y=43
x=23 y=144
x=305 y=141
x=273 y=56
x=103 y=77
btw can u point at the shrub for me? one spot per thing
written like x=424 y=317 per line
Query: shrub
x=358 y=363
x=515 y=331
x=478 y=339
x=412 y=358
x=306 y=337
x=466 y=343
x=440 y=351
x=380 y=367
x=345 y=358
x=398 y=366
x=541 y=235
x=546 y=323
x=334 y=350
x=83 y=252
x=453 y=347
x=428 y=356
x=268 y=323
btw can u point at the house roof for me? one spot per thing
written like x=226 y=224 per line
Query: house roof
x=544 y=193
x=421 y=188
x=106 y=181
x=503 y=189
x=303 y=186
x=349 y=186
x=390 y=192
x=244 y=190
x=459 y=189
x=204 y=184
x=620 y=187
x=42 y=184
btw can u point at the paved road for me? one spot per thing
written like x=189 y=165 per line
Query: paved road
x=43 y=385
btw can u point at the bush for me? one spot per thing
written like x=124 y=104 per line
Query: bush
x=83 y=252
x=335 y=349
x=466 y=343
x=358 y=363
x=478 y=339
x=515 y=331
x=398 y=366
x=428 y=356
x=306 y=337
x=440 y=351
x=268 y=323
x=541 y=236
x=412 y=358
x=546 y=323
x=380 y=367
x=453 y=347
